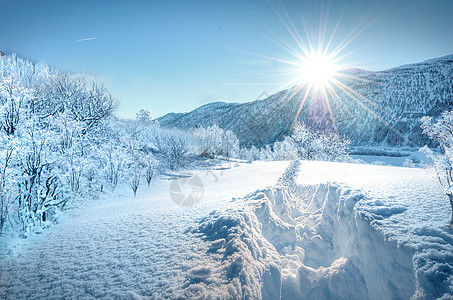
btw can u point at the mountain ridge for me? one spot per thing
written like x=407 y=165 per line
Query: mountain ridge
x=383 y=108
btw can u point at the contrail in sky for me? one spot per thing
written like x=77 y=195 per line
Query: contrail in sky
x=87 y=39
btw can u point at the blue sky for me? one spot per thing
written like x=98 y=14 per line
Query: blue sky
x=169 y=56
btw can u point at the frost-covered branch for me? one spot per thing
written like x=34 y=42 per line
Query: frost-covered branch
x=441 y=131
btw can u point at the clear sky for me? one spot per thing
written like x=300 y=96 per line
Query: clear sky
x=169 y=56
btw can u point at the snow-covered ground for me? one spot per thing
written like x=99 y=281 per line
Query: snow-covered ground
x=395 y=235
x=321 y=231
x=121 y=245
x=336 y=231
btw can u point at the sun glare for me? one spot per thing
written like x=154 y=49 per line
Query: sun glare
x=317 y=70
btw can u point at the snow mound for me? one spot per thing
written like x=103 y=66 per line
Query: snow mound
x=326 y=241
x=248 y=264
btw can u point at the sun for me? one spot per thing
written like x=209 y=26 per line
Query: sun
x=317 y=70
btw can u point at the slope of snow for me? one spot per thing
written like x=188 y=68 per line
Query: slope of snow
x=322 y=231
x=337 y=231
x=136 y=246
x=408 y=209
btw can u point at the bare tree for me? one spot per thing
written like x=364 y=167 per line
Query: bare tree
x=172 y=149
x=134 y=181
x=149 y=172
x=4 y=197
x=88 y=102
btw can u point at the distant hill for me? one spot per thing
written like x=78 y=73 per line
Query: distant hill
x=384 y=108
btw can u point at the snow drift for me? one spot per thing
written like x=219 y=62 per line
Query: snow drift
x=324 y=241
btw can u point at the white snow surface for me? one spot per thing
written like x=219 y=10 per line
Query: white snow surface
x=322 y=231
x=337 y=231
x=396 y=233
x=121 y=247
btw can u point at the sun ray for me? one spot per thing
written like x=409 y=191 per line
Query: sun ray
x=307 y=92
x=293 y=33
x=285 y=61
x=316 y=68
x=286 y=46
x=338 y=98
x=351 y=93
x=329 y=108
x=322 y=26
x=341 y=57
x=334 y=31
x=337 y=83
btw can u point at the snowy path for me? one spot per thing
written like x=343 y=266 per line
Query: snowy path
x=115 y=246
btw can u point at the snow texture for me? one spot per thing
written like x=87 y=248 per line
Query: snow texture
x=125 y=248
x=337 y=231
x=322 y=231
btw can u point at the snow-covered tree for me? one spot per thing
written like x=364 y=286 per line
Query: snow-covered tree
x=230 y=144
x=304 y=141
x=214 y=141
x=6 y=187
x=266 y=153
x=60 y=143
x=332 y=147
x=319 y=146
x=285 y=150
x=39 y=183
x=249 y=154
x=172 y=149
x=201 y=135
x=442 y=132
x=143 y=117
x=86 y=101
x=13 y=99
x=150 y=166
x=134 y=180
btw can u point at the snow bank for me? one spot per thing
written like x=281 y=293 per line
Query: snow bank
x=327 y=241
x=345 y=256
x=249 y=265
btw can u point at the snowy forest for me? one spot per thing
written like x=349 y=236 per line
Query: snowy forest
x=62 y=142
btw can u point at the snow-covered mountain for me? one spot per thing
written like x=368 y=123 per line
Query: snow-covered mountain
x=372 y=108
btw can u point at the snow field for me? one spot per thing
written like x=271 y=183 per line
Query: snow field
x=321 y=231
x=336 y=231
x=125 y=247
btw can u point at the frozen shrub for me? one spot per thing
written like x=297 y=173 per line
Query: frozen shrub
x=442 y=132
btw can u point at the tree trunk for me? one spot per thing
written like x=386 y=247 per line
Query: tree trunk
x=450 y=197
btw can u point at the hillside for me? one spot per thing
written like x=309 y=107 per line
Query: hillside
x=384 y=109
